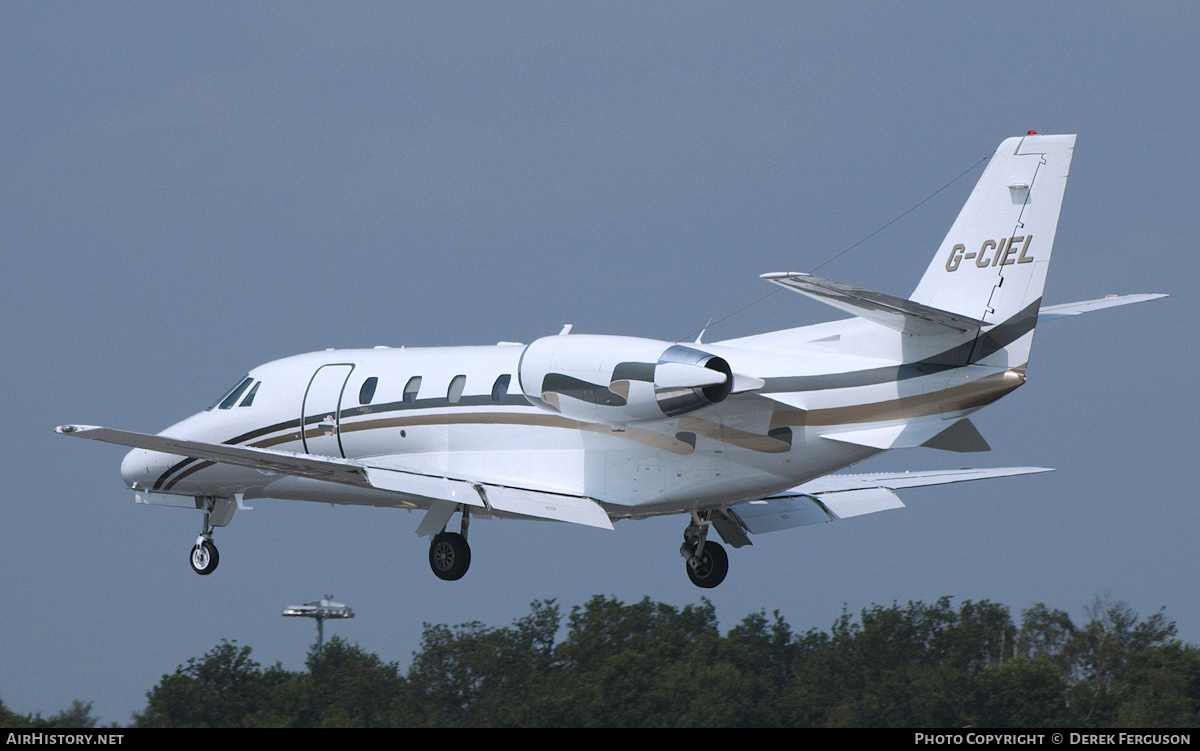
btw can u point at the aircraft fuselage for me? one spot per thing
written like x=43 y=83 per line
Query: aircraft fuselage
x=472 y=412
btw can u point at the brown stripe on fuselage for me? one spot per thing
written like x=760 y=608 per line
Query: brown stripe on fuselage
x=646 y=437
x=971 y=395
x=732 y=436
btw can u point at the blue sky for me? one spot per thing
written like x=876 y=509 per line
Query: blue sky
x=193 y=189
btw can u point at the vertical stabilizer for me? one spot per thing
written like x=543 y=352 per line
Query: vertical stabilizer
x=992 y=264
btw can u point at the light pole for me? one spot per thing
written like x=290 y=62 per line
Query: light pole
x=320 y=610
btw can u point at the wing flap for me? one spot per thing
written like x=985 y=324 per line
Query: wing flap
x=781 y=512
x=543 y=505
x=790 y=511
x=848 y=503
x=423 y=486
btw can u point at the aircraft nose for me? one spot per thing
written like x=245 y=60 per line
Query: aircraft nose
x=137 y=468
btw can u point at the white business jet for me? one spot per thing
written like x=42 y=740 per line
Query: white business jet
x=741 y=436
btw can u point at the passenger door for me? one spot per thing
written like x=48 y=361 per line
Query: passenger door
x=320 y=413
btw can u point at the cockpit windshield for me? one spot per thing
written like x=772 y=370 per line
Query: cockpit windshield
x=229 y=398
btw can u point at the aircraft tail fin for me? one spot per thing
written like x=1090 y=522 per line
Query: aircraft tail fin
x=992 y=265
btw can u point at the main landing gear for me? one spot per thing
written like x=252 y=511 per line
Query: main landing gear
x=449 y=553
x=707 y=562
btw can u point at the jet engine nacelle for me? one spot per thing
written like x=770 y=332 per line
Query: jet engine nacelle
x=619 y=380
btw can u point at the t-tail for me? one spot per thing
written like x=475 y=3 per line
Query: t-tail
x=992 y=265
x=981 y=297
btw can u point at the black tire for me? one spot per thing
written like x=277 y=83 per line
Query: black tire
x=204 y=558
x=711 y=568
x=449 y=556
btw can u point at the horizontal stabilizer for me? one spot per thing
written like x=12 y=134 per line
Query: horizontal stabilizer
x=895 y=313
x=1064 y=310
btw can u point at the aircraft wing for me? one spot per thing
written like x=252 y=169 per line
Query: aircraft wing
x=405 y=483
x=895 y=480
x=283 y=462
x=843 y=496
x=1052 y=312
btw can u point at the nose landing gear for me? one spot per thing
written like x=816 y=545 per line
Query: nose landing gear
x=204 y=557
x=217 y=512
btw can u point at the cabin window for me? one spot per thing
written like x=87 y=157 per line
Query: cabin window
x=232 y=397
x=500 y=388
x=250 y=396
x=455 y=392
x=411 y=388
x=367 y=392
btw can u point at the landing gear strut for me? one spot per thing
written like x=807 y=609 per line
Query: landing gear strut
x=217 y=513
x=707 y=562
x=449 y=553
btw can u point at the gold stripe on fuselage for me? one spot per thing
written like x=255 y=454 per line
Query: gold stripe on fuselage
x=971 y=395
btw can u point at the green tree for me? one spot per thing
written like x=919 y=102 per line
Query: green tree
x=1022 y=692
x=225 y=688
x=473 y=675
x=1100 y=654
x=1163 y=688
x=764 y=654
x=649 y=664
x=347 y=687
x=1045 y=633
x=77 y=715
x=616 y=660
x=898 y=666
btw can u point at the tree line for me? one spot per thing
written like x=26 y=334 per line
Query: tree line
x=647 y=664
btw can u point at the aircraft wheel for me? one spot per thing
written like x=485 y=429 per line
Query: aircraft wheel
x=709 y=568
x=204 y=558
x=449 y=556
